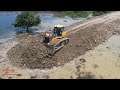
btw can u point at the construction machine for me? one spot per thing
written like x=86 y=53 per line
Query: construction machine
x=55 y=39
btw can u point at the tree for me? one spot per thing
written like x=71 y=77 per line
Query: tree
x=27 y=19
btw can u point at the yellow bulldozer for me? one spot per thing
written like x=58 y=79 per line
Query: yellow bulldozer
x=55 y=39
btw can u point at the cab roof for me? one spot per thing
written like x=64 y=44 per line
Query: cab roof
x=59 y=26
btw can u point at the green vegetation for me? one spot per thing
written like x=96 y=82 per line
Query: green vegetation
x=72 y=14
x=97 y=13
x=27 y=19
x=9 y=77
x=75 y=14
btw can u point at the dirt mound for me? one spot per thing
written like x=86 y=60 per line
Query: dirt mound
x=31 y=53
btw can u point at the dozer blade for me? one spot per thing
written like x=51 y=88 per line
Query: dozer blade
x=56 y=46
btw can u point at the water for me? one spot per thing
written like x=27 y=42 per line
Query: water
x=48 y=21
x=6 y=20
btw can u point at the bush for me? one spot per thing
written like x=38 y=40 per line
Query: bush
x=72 y=14
x=97 y=13
x=75 y=14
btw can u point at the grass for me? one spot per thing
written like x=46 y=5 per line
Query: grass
x=74 y=14
x=98 y=13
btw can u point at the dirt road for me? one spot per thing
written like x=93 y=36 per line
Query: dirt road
x=100 y=19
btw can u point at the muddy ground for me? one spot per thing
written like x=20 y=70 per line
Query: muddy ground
x=31 y=53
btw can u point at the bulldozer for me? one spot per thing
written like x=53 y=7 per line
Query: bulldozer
x=55 y=39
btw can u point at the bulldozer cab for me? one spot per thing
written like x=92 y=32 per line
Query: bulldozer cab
x=58 y=30
x=52 y=35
